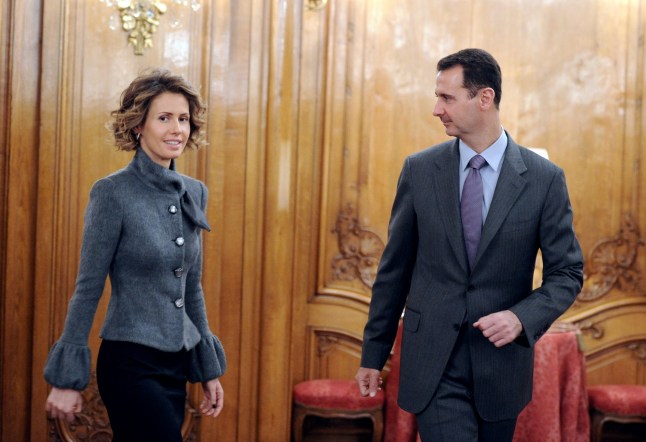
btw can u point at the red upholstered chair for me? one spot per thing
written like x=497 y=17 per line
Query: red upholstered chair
x=335 y=398
x=615 y=403
x=340 y=399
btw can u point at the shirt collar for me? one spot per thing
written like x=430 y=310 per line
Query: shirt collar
x=493 y=154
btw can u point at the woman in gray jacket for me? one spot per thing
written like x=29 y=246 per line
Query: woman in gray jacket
x=143 y=229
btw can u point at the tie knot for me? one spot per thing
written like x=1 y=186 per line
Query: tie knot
x=477 y=162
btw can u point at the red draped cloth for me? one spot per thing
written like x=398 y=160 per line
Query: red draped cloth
x=559 y=407
x=399 y=425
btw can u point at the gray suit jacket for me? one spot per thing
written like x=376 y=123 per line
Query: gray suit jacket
x=424 y=268
x=143 y=229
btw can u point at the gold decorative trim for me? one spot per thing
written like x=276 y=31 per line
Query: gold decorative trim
x=314 y=5
x=140 y=20
x=360 y=250
x=611 y=263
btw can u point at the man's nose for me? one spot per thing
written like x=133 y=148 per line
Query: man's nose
x=438 y=109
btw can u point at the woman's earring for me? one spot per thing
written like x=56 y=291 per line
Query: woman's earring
x=138 y=135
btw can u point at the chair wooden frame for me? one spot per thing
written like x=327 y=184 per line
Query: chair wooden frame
x=301 y=412
x=599 y=418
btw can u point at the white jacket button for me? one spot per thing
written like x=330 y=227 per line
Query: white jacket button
x=172 y=209
x=179 y=302
x=179 y=241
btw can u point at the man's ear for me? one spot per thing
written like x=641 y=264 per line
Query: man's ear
x=487 y=96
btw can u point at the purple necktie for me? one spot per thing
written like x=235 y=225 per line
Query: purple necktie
x=471 y=207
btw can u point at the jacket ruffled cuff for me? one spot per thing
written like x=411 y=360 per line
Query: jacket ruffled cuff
x=68 y=366
x=207 y=360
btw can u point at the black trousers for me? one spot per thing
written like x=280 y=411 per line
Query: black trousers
x=451 y=415
x=144 y=391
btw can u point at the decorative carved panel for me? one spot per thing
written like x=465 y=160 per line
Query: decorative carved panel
x=359 y=250
x=333 y=354
x=93 y=425
x=611 y=263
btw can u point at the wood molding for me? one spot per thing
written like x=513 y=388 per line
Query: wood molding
x=20 y=67
x=611 y=263
x=359 y=250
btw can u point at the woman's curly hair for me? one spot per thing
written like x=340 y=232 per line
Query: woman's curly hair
x=136 y=100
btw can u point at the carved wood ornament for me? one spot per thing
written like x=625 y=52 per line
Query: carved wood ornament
x=639 y=350
x=93 y=424
x=360 y=250
x=611 y=263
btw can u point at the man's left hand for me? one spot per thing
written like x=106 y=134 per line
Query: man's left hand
x=500 y=328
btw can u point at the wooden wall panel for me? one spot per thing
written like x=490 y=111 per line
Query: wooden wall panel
x=572 y=89
x=19 y=100
x=314 y=105
x=213 y=49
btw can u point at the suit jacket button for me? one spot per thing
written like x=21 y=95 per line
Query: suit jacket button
x=178 y=272
x=471 y=287
x=456 y=327
x=179 y=241
x=172 y=209
x=179 y=302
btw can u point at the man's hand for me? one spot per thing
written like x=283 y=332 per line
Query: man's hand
x=369 y=381
x=500 y=328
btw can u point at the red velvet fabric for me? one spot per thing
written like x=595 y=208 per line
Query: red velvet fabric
x=559 y=408
x=335 y=394
x=629 y=400
x=399 y=425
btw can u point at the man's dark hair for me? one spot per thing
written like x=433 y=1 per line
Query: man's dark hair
x=479 y=68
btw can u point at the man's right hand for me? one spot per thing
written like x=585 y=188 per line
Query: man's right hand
x=64 y=403
x=369 y=381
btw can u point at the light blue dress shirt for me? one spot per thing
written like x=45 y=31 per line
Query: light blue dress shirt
x=489 y=172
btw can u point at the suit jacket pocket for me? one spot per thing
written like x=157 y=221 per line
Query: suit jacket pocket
x=411 y=320
x=518 y=225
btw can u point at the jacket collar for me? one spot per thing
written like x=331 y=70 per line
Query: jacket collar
x=168 y=181
x=154 y=175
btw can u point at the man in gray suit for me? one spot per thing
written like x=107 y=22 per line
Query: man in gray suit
x=471 y=316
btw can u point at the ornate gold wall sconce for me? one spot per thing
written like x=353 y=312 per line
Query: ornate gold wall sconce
x=140 y=18
x=313 y=5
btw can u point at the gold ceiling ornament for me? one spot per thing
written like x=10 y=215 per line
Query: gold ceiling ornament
x=313 y=5
x=140 y=18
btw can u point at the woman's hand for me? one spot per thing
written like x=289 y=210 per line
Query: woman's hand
x=213 y=398
x=63 y=403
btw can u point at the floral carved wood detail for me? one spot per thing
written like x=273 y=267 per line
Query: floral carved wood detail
x=639 y=349
x=93 y=425
x=611 y=263
x=359 y=250
x=595 y=330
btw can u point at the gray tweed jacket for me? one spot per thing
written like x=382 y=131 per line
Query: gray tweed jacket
x=142 y=228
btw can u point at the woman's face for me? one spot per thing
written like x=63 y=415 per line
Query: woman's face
x=165 y=132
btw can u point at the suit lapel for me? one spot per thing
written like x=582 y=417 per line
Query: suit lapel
x=509 y=186
x=447 y=192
